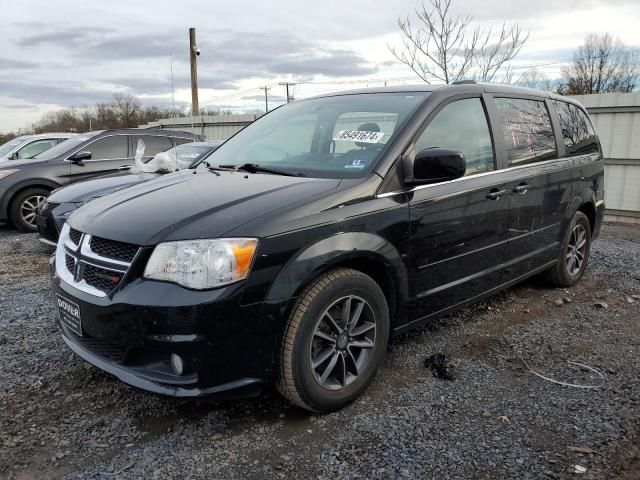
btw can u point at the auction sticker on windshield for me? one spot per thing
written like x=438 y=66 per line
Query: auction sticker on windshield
x=358 y=136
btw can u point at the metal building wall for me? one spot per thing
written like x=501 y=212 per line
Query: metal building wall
x=215 y=127
x=616 y=117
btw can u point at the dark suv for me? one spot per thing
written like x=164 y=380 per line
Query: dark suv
x=309 y=238
x=25 y=184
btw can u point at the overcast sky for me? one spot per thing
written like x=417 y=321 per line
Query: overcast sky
x=66 y=53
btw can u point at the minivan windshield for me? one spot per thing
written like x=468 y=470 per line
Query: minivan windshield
x=341 y=136
x=66 y=147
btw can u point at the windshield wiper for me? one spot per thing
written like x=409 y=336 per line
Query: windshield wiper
x=255 y=168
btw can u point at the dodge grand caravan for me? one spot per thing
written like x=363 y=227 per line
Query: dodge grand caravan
x=293 y=253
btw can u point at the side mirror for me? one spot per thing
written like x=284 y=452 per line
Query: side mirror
x=79 y=157
x=433 y=165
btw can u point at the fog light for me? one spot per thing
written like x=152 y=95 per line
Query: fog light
x=177 y=365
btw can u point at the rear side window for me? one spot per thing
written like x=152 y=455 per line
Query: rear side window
x=181 y=140
x=152 y=144
x=577 y=132
x=526 y=127
x=108 y=148
x=461 y=125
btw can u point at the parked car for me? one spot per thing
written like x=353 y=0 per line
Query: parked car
x=322 y=229
x=25 y=184
x=28 y=146
x=62 y=202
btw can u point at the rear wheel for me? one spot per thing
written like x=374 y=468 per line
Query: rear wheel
x=574 y=254
x=334 y=342
x=24 y=207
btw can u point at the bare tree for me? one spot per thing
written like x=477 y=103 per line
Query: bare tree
x=602 y=65
x=127 y=109
x=447 y=48
x=534 y=78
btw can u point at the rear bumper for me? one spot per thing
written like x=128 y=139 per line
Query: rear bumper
x=599 y=220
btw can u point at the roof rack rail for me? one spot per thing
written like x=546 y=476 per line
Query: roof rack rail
x=464 y=82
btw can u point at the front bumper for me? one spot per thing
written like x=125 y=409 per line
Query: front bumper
x=228 y=349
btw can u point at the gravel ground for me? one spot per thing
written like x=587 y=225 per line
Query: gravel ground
x=62 y=418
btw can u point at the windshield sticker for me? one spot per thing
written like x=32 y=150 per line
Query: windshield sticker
x=356 y=163
x=358 y=136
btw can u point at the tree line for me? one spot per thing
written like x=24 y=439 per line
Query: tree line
x=124 y=111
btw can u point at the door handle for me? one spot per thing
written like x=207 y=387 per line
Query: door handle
x=495 y=194
x=521 y=189
x=124 y=167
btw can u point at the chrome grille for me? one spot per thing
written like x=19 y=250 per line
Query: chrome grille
x=98 y=273
x=101 y=278
x=113 y=249
x=75 y=236
x=70 y=263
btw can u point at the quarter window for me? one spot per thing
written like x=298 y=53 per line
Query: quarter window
x=153 y=144
x=577 y=132
x=461 y=125
x=108 y=148
x=527 y=131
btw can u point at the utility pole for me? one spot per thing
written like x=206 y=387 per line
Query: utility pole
x=266 y=98
x=286 y=85
x=193 y=54
x=173 y=97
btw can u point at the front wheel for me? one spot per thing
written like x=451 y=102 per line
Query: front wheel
x=334 y=342
x=24 y=207
x=574 y=253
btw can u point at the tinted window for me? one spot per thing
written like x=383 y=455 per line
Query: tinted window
x=152 y=144
x=461 y=125
x=34 y=148
x=527 y=131
x=67 y=147
x=5 y=148
x=577 y=132
x=108 y=147
x=181 y=140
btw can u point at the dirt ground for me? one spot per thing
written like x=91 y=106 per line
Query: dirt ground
x=60 y=417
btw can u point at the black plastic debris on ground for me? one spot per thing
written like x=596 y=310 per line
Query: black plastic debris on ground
x=439 y=366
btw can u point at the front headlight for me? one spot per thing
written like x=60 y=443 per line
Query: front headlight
x=202 y=264
x=6 y=173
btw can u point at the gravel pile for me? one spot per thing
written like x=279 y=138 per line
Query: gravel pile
x=61 y=418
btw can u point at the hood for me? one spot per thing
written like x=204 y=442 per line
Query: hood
x=192 y=204
x=82 y=191
x=6 y=164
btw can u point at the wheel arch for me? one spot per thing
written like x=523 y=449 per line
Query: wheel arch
x=366 y=252
x=584 y=202
x=22 y=186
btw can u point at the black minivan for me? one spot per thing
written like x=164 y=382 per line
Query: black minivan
x=292 y=254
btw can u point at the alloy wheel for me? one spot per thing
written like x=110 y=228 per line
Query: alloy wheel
x=576 y=249
x=29 y=208
x=343 y=342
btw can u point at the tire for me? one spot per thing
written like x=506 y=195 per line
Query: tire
x=311 y=335
x=565 y=273
x=23 y=208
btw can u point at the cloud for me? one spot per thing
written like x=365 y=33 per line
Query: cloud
x=9 y=64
